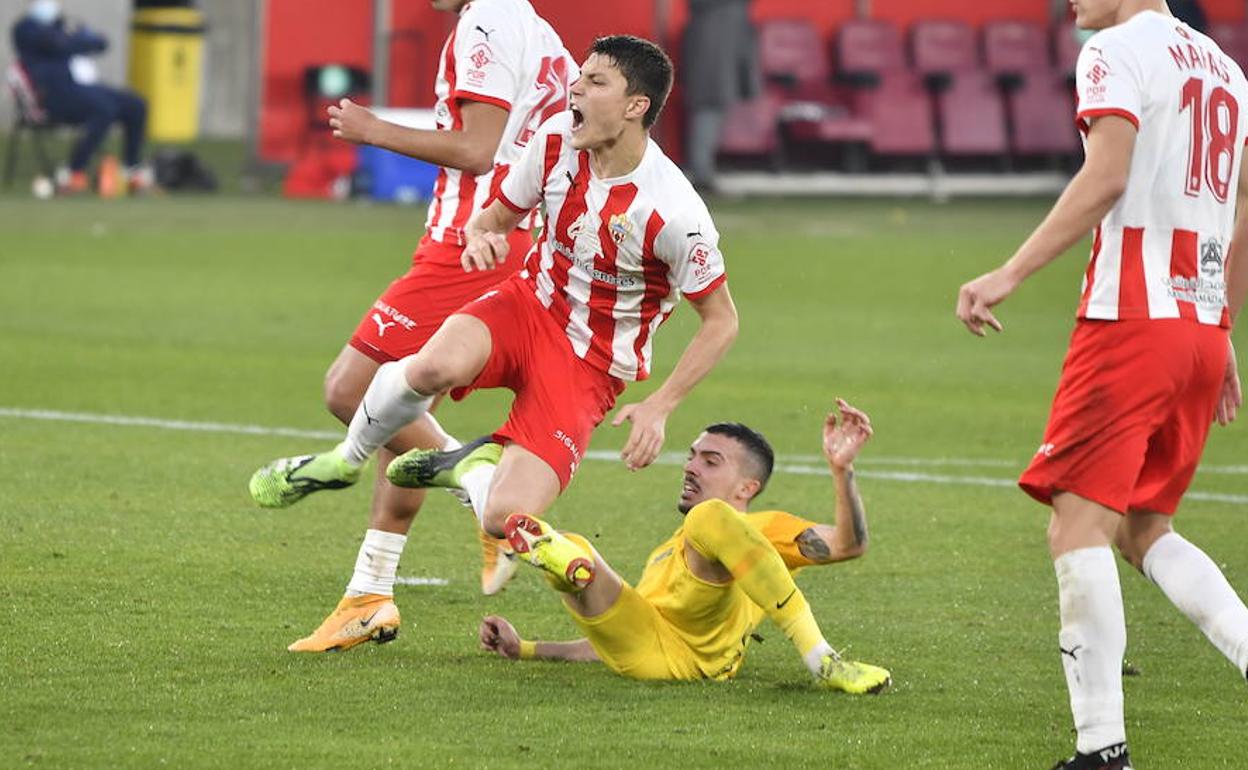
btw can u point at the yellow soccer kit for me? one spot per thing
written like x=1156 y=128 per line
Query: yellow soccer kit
x=674 y=625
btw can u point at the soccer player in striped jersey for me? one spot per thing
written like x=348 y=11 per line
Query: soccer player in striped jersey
x=501 y=73
x=626 y=238
x=706 y=589
x=1150 y=365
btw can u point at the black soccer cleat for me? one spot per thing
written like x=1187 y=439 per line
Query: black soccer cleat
x=423 y=468
x=1114 y=757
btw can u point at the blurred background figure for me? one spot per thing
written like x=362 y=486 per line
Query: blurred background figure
x=1189 y=11
x=720 y=65
x=49 y=48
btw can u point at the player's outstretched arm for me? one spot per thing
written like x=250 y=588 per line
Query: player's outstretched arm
x=1085 y=201
x=498 y=635
x=487 y=232
x=470 y=148
x=649 y=417
x=843 y=438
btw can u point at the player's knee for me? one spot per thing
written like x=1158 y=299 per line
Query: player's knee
x=709 y=518
x=428 y=376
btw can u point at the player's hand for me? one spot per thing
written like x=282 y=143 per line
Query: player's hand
x=645 y=440
x=976 y=299
x=843 y=439
x=352 y=122
x=1232 y=397
x=497 y=635
x=485 y=251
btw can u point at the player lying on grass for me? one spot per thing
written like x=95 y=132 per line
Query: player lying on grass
x=707 y=587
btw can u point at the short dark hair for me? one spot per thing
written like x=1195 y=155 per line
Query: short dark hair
x=646 y=69
x=759 y=451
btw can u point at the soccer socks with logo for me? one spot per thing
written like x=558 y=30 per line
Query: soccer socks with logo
x=388 y=405
x=719 y=532
x=1093 y=641
x=377 y=564
x=1194 y=584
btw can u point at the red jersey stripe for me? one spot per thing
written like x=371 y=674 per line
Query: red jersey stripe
x=573 y=207
x=657 y=287
x=1183 y=265
x=554 y=146
x=1089 y=278
x=603 y=292
x=448 y=68
x=470 y=96
x=1132 y=291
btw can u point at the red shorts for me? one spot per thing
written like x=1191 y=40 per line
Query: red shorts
x=1131 y=414
x=560 y=399
x=407 y=314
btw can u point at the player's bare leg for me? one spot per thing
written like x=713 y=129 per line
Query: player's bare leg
x=1093 y=636
x=1189 y=579
x=523 y=483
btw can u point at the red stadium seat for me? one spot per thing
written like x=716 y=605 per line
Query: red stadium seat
x=795 y=64
x=867 y=50
x=1042 y=116
x=752 y=128
x=972 y=116
x=943 y=49
x=1066 y=48
x=790 y=52
x=900 y=114
x=1233 y=39
x=1015 y=49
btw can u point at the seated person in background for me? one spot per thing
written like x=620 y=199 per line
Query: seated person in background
x=704 y=590
x=45 y=43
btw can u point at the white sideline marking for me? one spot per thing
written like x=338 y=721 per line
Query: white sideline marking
x=421 y=581
x=805 y=465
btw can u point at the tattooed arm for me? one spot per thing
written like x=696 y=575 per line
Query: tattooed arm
x=847 y=539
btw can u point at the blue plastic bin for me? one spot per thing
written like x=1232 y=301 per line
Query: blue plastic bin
x=388 y=176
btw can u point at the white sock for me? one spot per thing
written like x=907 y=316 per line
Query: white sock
x=377 y=563
x=814 y=658
x=476 y=483
x=388 y=405
x=1093 y=641
x=1194 y=584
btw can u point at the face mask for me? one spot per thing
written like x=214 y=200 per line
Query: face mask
x=45 y=11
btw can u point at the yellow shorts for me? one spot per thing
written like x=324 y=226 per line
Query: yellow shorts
x=634 y=640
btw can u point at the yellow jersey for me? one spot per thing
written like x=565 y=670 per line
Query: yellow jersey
x=715 y=620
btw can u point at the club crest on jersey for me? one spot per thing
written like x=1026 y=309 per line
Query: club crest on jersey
x=1211 y=257
x=620 y=228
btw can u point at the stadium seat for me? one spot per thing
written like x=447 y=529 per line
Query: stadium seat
x=972 y=116
x=752 y=129
x=1233 y=39
x=900 y=114
x=29 y=117
x=1014 y=50
x=795 y=66
x=1066 y=48
x=867 y=50
x=1041 y=113
x=942 y=49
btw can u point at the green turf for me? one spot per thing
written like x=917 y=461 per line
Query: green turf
x=146 y=604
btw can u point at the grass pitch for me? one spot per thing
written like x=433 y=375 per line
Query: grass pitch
x=146 y=603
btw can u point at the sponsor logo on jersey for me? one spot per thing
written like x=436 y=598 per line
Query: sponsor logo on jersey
x=1211 y=257
x=394 y=315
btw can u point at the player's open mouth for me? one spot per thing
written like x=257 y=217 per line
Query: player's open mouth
x=689 y=487
x=578 y=119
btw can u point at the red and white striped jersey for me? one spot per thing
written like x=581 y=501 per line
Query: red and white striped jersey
x=616 y=254
x=500 y=52
x=1160 y=251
